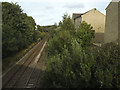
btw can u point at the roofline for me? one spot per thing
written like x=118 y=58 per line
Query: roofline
x=90 y=10
x=110 y=3
x=78 y=16
x=87 y=12
x=101 y=13
x=76 y=13
x=94 y=9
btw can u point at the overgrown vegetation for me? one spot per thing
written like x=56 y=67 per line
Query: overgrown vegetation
x=73 y=62
x=18 y=29
x=11 y=60
x=19 y=34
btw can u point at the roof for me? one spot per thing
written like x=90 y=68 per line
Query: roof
x=115 y=1
x=77 y=15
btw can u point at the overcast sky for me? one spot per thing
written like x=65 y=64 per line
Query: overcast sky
x=48 y=12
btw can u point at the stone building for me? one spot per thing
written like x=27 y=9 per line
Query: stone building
x=97 y=21
x=112 y=30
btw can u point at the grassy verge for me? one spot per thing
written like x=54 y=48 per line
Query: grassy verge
x=10 y=61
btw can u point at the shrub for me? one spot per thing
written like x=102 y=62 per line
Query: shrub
x=73 y=62
x=85 y=34
x=57 y=43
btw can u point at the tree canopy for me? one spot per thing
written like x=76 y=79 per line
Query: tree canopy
x=67 y=23
x=74 y=62
x=17 y=29
x=85 y=34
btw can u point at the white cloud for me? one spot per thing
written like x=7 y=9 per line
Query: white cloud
x=74 y=5
x=59 y=1
x=47 y=12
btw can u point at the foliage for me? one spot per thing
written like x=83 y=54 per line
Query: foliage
x=73 y=62
x=18 y=29
x=73 y=68
x=67 y=24
x=56 y=45
x=40 y=28
x=63 y=69
x=7 y=63
x=105 y=71
x=37 y=35
x=46 y=28
x=85 y=34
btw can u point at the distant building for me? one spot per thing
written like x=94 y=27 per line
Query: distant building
x=97 y=21
x=112 y=30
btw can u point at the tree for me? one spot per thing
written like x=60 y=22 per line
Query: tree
x=56 y=45
x=85 y=34
x=60 y=23
x=11 y=14
x=40 y=28
x=17 y=29
x=72 y=63
x=67 y=23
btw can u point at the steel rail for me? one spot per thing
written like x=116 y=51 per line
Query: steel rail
x=29 y=55
x=27 y=83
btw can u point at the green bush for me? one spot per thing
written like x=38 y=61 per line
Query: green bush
x=67 y=23
x=18 y=29
x=85 y=34
x=75 y=68
x=72 y=61
x=56 y=44
x=66 y=68
x=105 y=71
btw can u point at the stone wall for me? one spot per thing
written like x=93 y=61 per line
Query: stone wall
x=111 y=27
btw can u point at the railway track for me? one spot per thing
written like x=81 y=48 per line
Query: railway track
x=26 y=72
